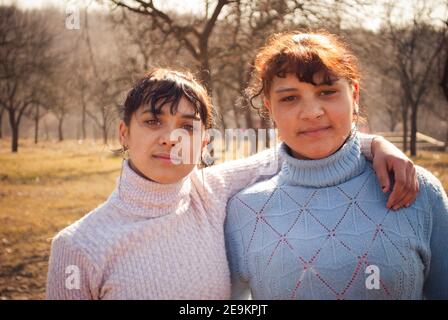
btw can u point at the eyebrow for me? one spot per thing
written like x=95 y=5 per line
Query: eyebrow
x=281 y=90
x=193 y=116
x=285 y=90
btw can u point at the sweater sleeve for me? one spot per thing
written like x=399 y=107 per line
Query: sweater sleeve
x=235 y=175
x=366 y=145
x=235 y=250
x=436 y=283
x=69 y=272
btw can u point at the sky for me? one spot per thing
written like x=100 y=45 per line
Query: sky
x=371 y=20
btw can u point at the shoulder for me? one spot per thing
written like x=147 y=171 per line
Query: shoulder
x=88 y=235
x=251 y=199
x=265 y=160
x=432 y=201
x=259 y=190
x=431 y=188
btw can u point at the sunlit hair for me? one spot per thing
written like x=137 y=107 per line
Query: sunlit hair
x=303 y=54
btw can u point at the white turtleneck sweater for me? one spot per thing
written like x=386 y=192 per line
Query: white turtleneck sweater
x=156 y=241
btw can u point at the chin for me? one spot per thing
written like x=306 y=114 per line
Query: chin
x=170 y=178
x=314 y=153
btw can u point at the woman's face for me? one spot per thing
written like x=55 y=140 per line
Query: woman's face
x=314 y=121
x=154 y=146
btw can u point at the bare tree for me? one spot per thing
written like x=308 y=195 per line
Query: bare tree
x=60 y=111
x=417 y=47
x=105 y=88
x=194 y=36
x=444 y=83
x=105 y=103
x=25 y=60
x=36 y=113
x=146 y=47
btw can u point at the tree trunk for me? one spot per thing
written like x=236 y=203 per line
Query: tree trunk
x=446 y=139
x=83 y=120
x=60 y=132
x=392 y=122
x=219 y=100
x=244 y=77
x=404 y=115
x=392 y=127
x=104 y=134
x=36 y=125
x=248 y=116
x=205 y=74
x=15 y=138
x=414 y=130
x=444 y=85
x=1 y=122
x=235 y=114
x=14 y=130
x=265 y=124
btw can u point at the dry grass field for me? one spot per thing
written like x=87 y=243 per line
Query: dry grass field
x=46 y=187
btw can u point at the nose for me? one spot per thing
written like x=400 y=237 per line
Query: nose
x=311 y=110
x=165 y=139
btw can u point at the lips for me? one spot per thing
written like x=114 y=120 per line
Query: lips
x=314 y=130
x=162 y=156
x=165 y=157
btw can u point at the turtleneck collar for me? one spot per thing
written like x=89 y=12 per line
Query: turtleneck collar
x=335 y=169
x=142 y=197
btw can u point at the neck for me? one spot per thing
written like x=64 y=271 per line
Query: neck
x=134 y=168
x=137 y=195
x=300 y=157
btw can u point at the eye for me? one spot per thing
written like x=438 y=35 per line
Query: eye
x=288 y=99
x=188 y=127
x=327 y=92
x=152 y=122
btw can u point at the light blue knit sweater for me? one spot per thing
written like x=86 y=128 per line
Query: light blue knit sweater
x=320 y=229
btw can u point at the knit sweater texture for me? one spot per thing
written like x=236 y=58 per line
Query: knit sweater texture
x=156 y=241
x=320 y=229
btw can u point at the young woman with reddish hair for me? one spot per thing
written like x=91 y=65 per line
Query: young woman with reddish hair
x=320 y=228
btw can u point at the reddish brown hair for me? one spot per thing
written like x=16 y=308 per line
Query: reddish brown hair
x=303 y=54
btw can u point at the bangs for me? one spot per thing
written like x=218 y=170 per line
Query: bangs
x=154 y=96
x=305 y=65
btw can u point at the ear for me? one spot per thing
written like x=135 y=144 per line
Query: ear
x=355 y=86
x=266 y=103
x=123 y=133
x=205 y=140
x=268 y=106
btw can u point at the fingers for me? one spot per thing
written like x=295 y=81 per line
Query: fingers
x=399 y=187
x=406 y=186
x=413 y=191
x=383 y=175
x=409 y=196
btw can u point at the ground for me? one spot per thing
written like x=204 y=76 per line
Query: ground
x=46 y=187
